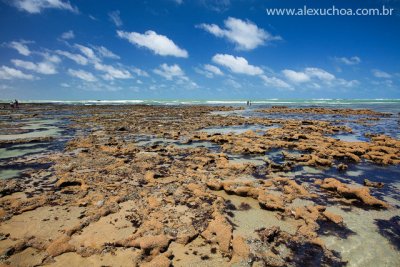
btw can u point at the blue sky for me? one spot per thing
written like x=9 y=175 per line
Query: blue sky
x=199 y=49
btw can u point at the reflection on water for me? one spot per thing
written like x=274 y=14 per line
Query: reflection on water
x=18 y=155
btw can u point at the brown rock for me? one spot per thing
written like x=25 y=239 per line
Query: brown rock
x=60 y=246
x=333 y=217
x=219 y=231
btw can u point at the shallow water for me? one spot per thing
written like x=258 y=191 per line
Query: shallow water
x=14 y=157
x=37 y=128
x=367 y=247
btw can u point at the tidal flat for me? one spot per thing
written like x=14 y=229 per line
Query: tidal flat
x=205 y=185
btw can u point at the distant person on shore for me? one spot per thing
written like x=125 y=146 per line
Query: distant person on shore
x=14 y=104
x=248 y=103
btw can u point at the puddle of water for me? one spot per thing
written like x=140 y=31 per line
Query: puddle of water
x=255 y=160
x=367 y=247
x=247 y=221
x=9 y=173
x=39 y=128
x=350 y=137
x=20 y=150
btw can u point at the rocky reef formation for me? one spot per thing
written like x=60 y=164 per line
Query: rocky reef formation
x=111 y=199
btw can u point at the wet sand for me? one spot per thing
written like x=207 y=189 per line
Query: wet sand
x=136 y=185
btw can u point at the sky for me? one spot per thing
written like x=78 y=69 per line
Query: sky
x=198 y=49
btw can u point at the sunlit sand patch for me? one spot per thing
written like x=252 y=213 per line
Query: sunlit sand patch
x=42 y=222
x=120 y=257
x=248 y=220
x=197 y=253
x=108 y=229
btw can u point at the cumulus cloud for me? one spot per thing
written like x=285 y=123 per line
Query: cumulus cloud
x=111 y=72
x=68 y=35
x=37 y=6
x=7 y=73
x=45 y=67
x=320 y=74
x=275 y=82
x=381 y=74
x=104 y=52
x=236 y=64
x=139 y=72
x=209 y=71
x=170 y=72
x=307 y=75
x=159 y=44
x=213 y=69
x=83 y=75
x=115 y=18
x=79 y=59
x=245 y=34
x=312 y=77
x=348 y=61
x=88 y=52
x=296 y=77
x=21 y=47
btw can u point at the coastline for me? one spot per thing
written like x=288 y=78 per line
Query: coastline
x=187 y=183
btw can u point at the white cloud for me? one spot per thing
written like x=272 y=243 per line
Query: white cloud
x=66 y=85
x=213 y=69
x=313 y=76
x=45 y=67
x=36 y=6
x=296 y=77
x=275 y=82
x=348 y=61
x=21 y=47
x=236 y=64
x=139 y=72
x=7 y=73
x=159 y=44
x=88 y=52
x=68 y=35
x=104 y=52
x=170 y=72
x=320 y=74
x=79 y=59
x=83 y=75
x=111 y=72
x=92 y=17
x=345 y=83
x=179 y=2
x=115 y=18
x=381 y=74
x=176 y=74
x=209 y=71
x=245 y=34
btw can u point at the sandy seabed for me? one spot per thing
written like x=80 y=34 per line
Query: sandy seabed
x=133 y=185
